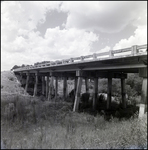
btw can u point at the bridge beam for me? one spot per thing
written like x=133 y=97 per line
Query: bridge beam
x=95 y=94
x=78 y=90
x=36 y=84
x=27 y=82
x=96 y=73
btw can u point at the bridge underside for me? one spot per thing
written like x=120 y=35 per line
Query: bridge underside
x=116 y=67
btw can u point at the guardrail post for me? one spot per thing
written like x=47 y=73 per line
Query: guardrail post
x=63 y=61
x=111 y=53
x=71 y=60
x=134 y=50
x=94 y=56
x=82 y=58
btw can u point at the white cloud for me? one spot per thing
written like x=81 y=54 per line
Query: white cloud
x=105 y=16
x=139 y=38
x=21 y=44
x=105 y=49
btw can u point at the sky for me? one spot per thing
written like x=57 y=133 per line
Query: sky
x=36 y=31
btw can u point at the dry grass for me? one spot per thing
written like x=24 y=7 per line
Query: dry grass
x=29 y=123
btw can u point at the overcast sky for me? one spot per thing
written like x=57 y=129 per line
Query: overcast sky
x=35 y=31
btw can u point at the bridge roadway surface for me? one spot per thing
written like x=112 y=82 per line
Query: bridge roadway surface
x=128 y=63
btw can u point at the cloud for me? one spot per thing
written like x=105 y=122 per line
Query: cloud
x=139 y=38
x=109 y=17
x=21 y=43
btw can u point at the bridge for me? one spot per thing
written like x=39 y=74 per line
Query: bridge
x=111 y=64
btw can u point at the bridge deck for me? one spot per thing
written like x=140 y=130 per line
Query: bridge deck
x=130 y=60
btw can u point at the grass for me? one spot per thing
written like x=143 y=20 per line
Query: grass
x=53 y=125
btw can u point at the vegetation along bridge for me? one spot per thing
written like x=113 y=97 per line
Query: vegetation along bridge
x=112 y=64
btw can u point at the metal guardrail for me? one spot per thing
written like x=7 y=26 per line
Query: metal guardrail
x=134 y=51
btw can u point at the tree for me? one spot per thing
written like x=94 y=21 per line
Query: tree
x=15 y=67
x=135 y=82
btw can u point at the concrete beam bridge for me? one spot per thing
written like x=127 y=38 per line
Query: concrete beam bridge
x=112 y=64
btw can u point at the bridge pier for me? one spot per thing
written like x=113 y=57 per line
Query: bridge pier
x=56 y=87
x=36 y=84
x=109 y=90
x=86 y=84
x=75 y=84
x=78 y=91
x=47 y=85
x=43 y=85
x=123 y=93
x=51 y=88
x=65 y=87
x=143 y=105
x=95 y=94
x=27 y=82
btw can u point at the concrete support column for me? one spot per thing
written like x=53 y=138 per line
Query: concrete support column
x=109 y=92
x=144 y=91
x=123 y=92
x=56 y=87
x=65 y=87
x=43 y=85
x=51 y=87
x=143 y=105
x=36 y=84
x=78 y=90
x=86 y=84
x=75 y=84
x=47 y=85
x=27 y=82
x=21 y=77
x=95 y=92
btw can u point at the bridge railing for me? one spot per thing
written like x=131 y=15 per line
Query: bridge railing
x=131 y=51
